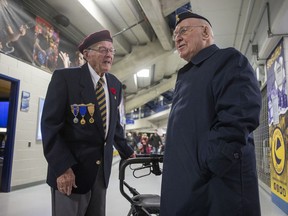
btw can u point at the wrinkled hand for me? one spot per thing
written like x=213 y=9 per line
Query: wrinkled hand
x=66 y=181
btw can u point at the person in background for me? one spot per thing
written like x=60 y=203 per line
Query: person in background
x=131 y=141
x=144 y=146
x=3 y=138
x=155 y=142
x=209 y=166
x=162 y=147
x=80 y=124
x=138 y=136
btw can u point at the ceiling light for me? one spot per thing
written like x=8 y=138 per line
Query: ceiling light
x=135 y=80
x=143 y=73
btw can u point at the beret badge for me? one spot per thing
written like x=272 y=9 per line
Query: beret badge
x=177 y=18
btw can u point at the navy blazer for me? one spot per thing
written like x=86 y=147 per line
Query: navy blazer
x=67 y=144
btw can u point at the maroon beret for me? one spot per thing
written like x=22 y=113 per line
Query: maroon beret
x=93 y=38
x=188 y=14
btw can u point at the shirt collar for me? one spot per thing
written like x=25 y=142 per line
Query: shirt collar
x=95 y=76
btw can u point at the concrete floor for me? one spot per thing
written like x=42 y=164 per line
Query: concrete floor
x=35 y=201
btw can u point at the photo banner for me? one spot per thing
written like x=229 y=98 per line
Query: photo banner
x=16 y=30
x=34 y=40
x=278 y=122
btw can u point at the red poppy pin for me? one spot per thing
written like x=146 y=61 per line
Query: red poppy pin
x=113 y=91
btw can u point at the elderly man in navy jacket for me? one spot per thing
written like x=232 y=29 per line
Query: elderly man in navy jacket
x=80 y=124
x=209 y=162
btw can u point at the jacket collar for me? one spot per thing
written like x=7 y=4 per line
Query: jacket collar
x=204 y=54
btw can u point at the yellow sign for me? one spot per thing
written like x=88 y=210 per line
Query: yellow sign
x=277 y=86
x=278 y=151
x=278 y=160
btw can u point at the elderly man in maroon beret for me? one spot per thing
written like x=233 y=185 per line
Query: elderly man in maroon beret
x=80 y=124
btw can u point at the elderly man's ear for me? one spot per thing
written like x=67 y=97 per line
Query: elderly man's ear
x=206 y=32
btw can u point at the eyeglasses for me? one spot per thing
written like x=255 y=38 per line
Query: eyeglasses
x=182 y=31
x=104 y=50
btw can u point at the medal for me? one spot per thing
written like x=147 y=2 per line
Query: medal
x=91 y=109
x=75 y=111
x=82 y=110
x=75 y=120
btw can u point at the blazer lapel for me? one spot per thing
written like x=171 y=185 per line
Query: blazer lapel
x=113 y=101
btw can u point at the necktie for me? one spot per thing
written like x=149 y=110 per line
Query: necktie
x=100 y=95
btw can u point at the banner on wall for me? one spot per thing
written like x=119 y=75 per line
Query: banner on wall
x=16 y=30
x=278 y=122
x=33 y=39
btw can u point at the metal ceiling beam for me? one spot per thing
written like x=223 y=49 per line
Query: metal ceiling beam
x=169 y=6
x=153 y=12
x=139 y=58
x=160 y=122
x=147 y=95
x=120 y=42
x=131 y=17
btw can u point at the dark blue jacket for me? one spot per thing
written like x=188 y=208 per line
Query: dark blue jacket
x=209 y=162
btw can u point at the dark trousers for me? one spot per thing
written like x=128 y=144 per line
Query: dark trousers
x=90 y=204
